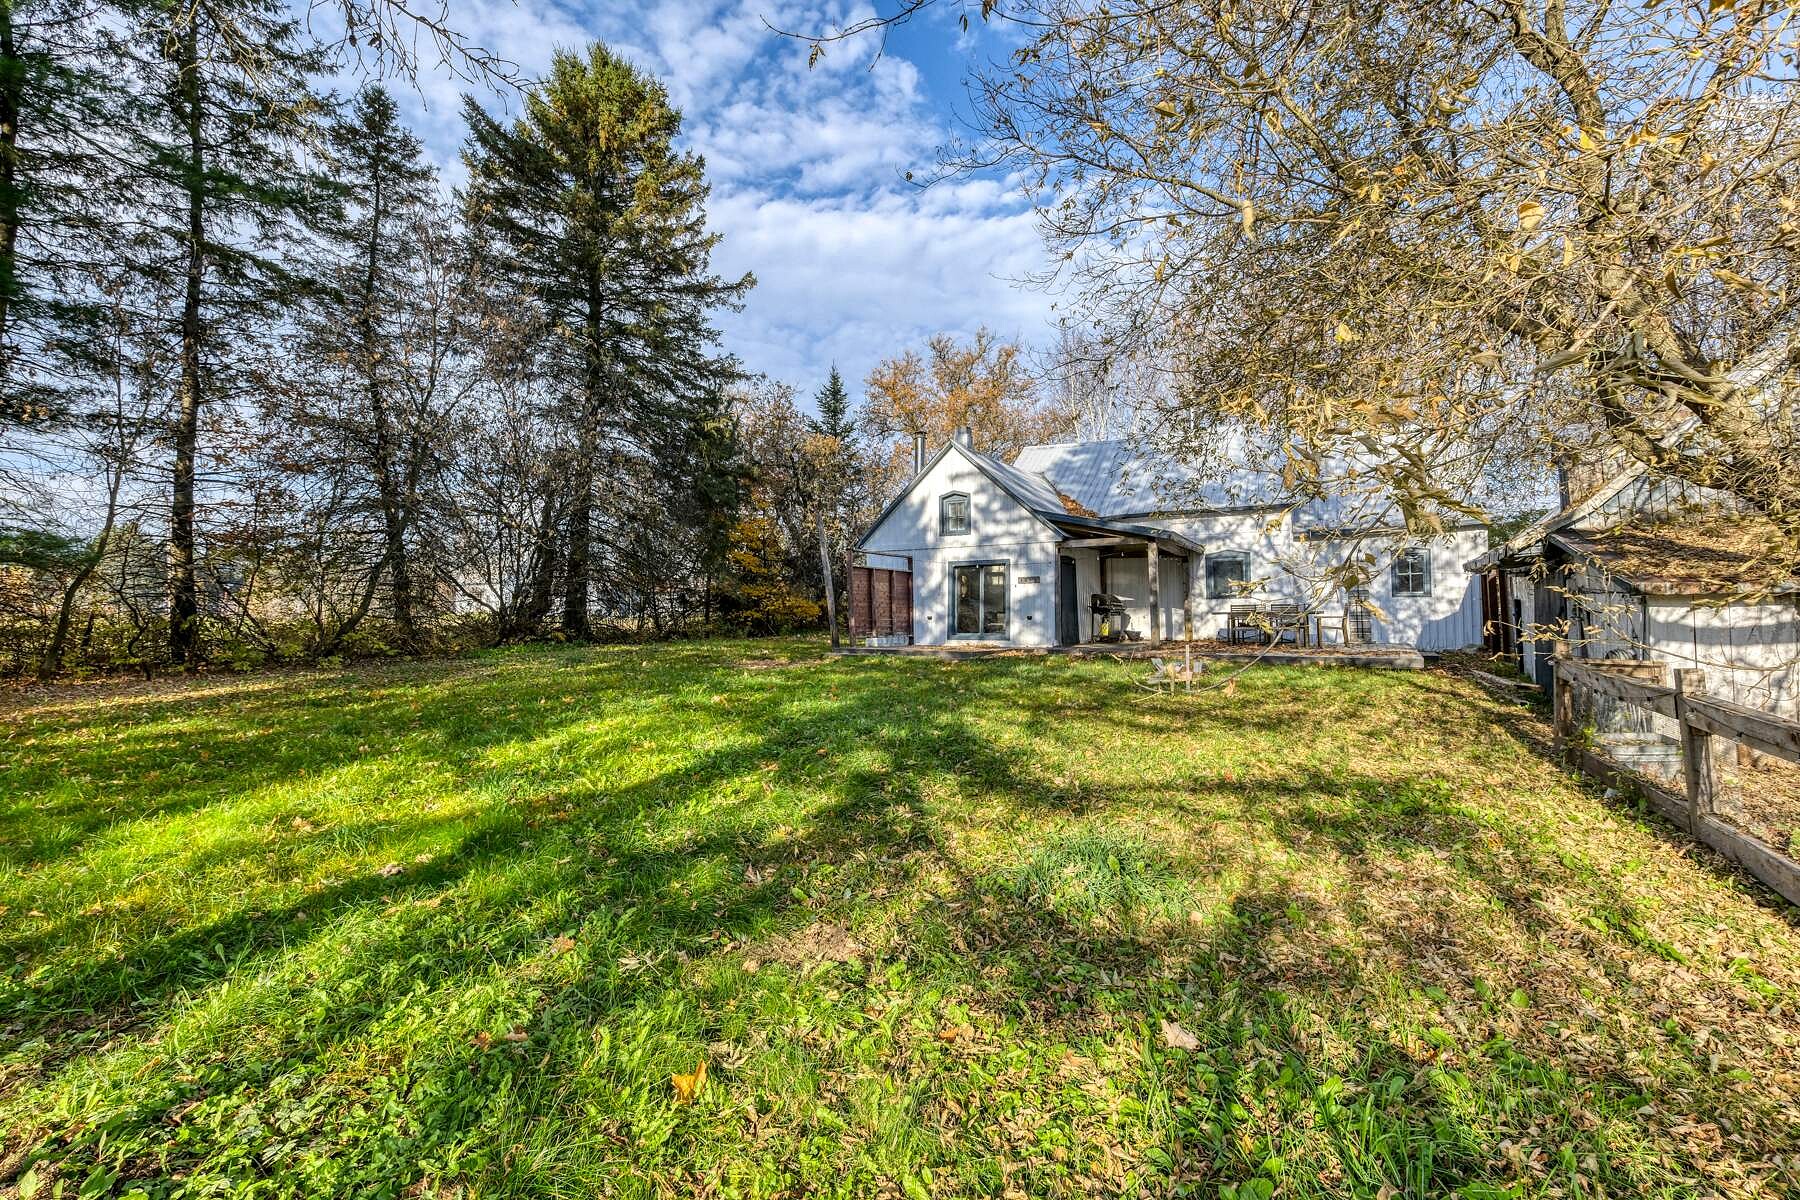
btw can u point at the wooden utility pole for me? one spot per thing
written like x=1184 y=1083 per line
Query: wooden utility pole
x=830 y=587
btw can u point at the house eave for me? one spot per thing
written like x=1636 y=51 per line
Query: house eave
x=1149 y=533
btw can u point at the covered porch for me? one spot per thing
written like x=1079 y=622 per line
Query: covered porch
x=1149 y=579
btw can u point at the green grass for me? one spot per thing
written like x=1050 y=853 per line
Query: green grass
x=450 y=928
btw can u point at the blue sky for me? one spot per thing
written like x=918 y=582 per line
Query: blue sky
x=853 y=263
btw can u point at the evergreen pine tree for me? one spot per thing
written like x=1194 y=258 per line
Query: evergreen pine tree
x=588 y=207
x=841 y=479
x=64 y=108
x=236 y=106
x=834 y=409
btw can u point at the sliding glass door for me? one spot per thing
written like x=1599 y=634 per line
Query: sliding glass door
x=978 y=592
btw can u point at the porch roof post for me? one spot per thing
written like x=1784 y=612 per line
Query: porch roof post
x=1151 y=553
x=1192 y=564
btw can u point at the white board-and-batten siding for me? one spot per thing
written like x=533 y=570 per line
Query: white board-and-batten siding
x=1750 y=652
x=1000 y=530
x=1446 y=617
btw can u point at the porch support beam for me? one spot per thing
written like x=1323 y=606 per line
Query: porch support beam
x=1187 y=597
x=1096 y=543
x=1151 y=554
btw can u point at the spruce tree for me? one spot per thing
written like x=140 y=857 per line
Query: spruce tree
x=236 y=107
x=64 y=109
x=841 y=484
x=834 y=409
x=587 y=206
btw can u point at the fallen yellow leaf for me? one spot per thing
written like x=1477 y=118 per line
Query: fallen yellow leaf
x=688 y=1086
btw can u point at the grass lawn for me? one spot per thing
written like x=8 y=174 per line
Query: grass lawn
x=1005 y=928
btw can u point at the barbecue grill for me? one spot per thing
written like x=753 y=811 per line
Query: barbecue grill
x=1111 y=621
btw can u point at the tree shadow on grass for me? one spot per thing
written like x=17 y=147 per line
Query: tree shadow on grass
x=662 y=883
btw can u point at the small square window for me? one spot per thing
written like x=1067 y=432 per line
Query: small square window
x=1412 y=573
x=1226 y=573
x=953 y=514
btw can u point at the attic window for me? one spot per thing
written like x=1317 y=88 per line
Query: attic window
x=953 y=513
x=1412 y=573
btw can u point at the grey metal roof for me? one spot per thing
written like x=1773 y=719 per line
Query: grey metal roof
x=1115 y=479
x=1029 y=488
x=1086 y=472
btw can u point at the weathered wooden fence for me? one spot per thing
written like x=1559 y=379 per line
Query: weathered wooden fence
x=1699 y=719
x=880 y=601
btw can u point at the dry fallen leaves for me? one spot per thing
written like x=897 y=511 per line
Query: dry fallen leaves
x=562 y=945
x=1177 y=1038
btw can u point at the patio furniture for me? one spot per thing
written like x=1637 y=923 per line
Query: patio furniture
x=1287 y=618
x=1172 y=673
x=1354 y=624
x=1241 y=618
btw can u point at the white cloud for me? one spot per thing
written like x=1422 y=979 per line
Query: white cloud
x=854 y=280
x=853 y=263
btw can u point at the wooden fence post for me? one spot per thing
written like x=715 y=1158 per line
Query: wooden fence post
x=1562 y=693
x=1696 y=750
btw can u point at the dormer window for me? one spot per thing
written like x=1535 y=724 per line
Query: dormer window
x=953 y=513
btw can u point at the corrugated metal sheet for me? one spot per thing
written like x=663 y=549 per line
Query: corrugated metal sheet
x=1088 y=472
x=1115 y=479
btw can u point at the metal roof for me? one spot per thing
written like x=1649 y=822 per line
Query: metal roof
x=1114 y=479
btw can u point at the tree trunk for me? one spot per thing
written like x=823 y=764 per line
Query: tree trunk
x=394 y=514
x=581 y=517
x=541 y=573
x=59 y=636
x=576 y=580
x=184 y=601
x=65 y=613
x=12 y=86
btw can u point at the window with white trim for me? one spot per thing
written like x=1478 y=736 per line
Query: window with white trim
x=953 y=513
x=1412 y=572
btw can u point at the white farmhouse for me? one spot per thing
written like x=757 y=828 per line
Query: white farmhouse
x=975 y=550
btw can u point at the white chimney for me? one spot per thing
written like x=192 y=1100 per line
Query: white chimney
x=964 y=437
